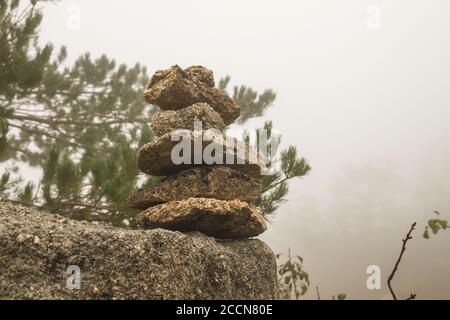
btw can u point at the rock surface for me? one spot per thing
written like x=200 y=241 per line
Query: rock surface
x=202 y=74
x=36 y=249
x=175 y=88
x=218 y=218
x=218 y=182
x=167 y=121
x=154 y=158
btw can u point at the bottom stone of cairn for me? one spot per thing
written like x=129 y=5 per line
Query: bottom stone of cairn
x=230 y=219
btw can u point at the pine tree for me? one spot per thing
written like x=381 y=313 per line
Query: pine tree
x=274 y=186
x=83 y=124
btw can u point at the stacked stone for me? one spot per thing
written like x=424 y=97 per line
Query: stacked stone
x=217 y=200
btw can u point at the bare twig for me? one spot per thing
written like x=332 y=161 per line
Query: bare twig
x=391 y=276
x=318 y=294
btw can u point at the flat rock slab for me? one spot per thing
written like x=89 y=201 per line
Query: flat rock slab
x=218 y=182
x=115 y=263
x=223 y=219
x=167 y=121
x=175 y=88
x=155 y=158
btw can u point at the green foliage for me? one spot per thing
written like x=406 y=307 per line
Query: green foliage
x=274 y=185
x=341 y=296
x=85 y=122
x=294 y=281
x=272 y=199
x=292 y=275
x=291 y=165
x=45 y=103
x=435 y=225
x=3 y=137
x=5 y=185
x=82 y=124
x=10 y=186
x=23 y=63
x=93 y=185
x=26 y=195
x=252 y=103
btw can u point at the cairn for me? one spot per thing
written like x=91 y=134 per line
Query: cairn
x=217 y=200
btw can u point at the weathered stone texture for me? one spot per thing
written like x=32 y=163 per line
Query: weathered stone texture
x=217 y=218
x=176 y=88
x=218 y=182
x=168 y=121
x=202 y=74
x=36 y=248
x=154 y=158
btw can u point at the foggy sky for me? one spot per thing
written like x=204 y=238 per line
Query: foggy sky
x=369 y=108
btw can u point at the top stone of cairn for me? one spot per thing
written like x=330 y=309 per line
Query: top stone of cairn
x=175 y=88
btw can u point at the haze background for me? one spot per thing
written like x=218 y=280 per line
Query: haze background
x=368 y=107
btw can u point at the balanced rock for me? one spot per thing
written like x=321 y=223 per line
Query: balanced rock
x=211 y=179
x=176 y=88
x=217 y=218
x=155 y=158
x=167 y=121
x=218 y=182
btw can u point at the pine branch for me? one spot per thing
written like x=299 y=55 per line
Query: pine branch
x=42 y=132
x=55 y=121
x=273 y=186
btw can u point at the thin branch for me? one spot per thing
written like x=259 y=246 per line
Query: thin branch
x=45 y=133
x=318 y=294
x=29 y=154
x=273 y=186
x=55 y=121
x=391 y=276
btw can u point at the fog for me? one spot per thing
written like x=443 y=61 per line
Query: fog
x=367 y=103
